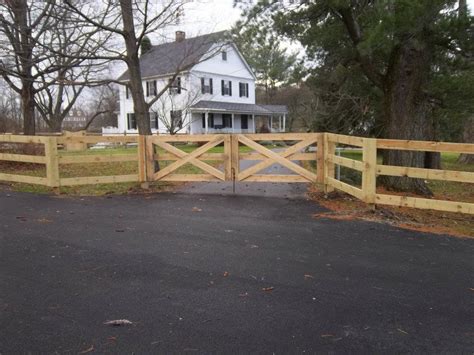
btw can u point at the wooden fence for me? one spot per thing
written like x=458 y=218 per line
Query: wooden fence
x=324 y=156
x=370 y=169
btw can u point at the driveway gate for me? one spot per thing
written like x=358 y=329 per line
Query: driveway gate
x=167 y=155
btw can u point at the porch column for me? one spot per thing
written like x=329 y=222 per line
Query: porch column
x=284 y=122
x=253 y=123
x=206 y=121
x=233 y=123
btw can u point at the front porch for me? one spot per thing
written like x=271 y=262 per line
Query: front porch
x=221 y=117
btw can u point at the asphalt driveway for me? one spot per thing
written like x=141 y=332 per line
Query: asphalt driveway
x=224 y=274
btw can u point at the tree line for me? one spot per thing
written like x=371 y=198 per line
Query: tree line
x=399 y=69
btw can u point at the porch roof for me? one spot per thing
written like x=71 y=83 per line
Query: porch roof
x=232 y=107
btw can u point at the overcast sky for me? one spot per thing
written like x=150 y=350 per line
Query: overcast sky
x=204 y=16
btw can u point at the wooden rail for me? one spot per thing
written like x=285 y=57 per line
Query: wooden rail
x=325 y=157
x=53 y=159
x=371 y=170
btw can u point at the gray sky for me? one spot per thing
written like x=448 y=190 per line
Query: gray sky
x=204 y=16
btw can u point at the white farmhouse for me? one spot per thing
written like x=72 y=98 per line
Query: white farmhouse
x=215 y=94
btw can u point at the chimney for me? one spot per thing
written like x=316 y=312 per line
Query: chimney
x=180 y=36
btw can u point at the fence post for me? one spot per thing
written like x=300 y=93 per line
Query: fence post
x=329 y=167
x=150 y=158
x=235 y=163
x=228 y=157
x=369 y=159
x=320 y=159
x=52 y=161
x=142 y=176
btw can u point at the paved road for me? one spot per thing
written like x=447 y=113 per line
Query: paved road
x=67 y=265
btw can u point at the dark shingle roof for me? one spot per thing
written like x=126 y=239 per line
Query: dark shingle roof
x=167 y=58
x=241 y=108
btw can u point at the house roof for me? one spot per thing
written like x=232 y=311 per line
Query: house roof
x=239 y=108
x=170 y=57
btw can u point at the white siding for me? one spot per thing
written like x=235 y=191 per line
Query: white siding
x=233 y=69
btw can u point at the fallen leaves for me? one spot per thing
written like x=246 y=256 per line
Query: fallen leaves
x=308 y=276
x=196 y=209
x=226 y=274
x=118 y=322
x=268 y=289
x=44 y=220
x=402 y=331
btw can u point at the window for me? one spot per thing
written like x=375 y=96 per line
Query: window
x=243 y=90
x=176 y=119
x=175 y=87
x=226 y=121
x=226 y=88
x=153 y=120
x=244 y=121
x=151 y=88
x=224 y=55
x=127 y=92
x=131 y=121
x=206 y=85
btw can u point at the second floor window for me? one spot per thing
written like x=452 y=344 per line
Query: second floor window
x=206 y=86
x=151 y=88
x=224 y=55
x=243 y=90
x=127 y=92
x=131 y=121
x=226 y=88
x=175 y=86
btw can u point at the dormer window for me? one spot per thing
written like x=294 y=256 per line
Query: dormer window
x=224 y=55
x=206 y=86
x=175 y=86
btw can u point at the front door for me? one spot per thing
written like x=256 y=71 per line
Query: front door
x=244 y=121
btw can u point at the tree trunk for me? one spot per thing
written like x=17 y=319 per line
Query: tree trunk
x=406 y=111
x=28 y=109
x=133 y=63
x=468 y=137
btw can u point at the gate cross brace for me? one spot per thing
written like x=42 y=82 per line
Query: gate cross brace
x=189 y=158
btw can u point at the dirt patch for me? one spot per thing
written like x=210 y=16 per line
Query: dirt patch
x=345 y=207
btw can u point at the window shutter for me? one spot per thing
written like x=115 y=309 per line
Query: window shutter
x=240 y=89
x=247 y=89
x=154 y=89
x=210 y=85
x=179 y=85
x=230 y=88
x=127 y=93
x=203 y=84
x=170 y=83
x=222 y=82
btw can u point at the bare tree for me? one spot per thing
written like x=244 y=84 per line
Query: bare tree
x=103 y=109
x=10 y=117
x=170 y=102
x=22 y=25
x=130 y=22
x=40 y=45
